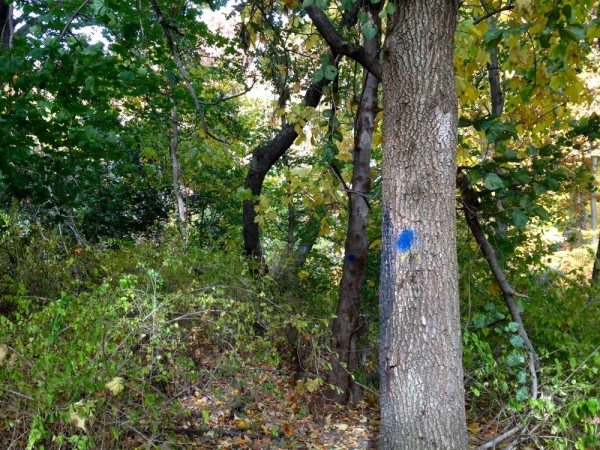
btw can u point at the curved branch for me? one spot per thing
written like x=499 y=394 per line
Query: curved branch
x=340 y=45
x=263 y=158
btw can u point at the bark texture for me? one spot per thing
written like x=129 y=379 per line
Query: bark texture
x=594 y=202
x=176 y=170
x=6 y=25
x=349 y=325
x=422 y=393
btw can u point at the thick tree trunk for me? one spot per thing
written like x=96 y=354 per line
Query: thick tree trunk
x=422 y=393
x=6 y=25
x=176 y=170
x=348 y=325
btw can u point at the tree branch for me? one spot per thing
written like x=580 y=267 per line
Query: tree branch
x=489 y=14
x=263 y=158
x=470 y=208
x=340 y=45
x=497 y=440
x=198 y=105
x=71 y=19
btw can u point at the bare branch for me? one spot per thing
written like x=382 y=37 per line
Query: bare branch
x=71 y=19
x=489 y=14
x=470 y=208
x=497 y=440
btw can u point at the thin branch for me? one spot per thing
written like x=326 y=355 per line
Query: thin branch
x=232 y=96
x=470 y=207
x=18 y=394
x=497 y=440
x=71 y=19
x=489 y=14
x=166 y=27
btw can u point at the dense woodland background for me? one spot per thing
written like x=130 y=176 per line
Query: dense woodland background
x=190 y=222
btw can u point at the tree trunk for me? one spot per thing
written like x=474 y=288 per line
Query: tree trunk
x=176 y=169
x=594 y=203
x=263 y=158
x=6 y=25
x=348 y=325
x=422 y=393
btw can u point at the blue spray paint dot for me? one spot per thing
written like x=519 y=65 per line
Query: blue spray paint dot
x=405 y=241
x=350 y=257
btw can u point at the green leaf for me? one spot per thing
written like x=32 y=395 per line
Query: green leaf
x=493 y=182
x=512 y=327
x=330 y=72
x=522 y=377
x=519 y=218
x=492 y=38
x=369 y=30
x=90 y=84
x=516 y=341
x=173 y=78
x=347 y=5
x=126 y=75
x=322 y=4
x=479 y=321
x=307 y=3
x=318 y=75
x=522 y=394
x=515 y=359
x=574 y=32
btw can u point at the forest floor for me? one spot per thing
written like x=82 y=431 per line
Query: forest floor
x=268 y=408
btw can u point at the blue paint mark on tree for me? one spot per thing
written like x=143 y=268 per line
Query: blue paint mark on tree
x=350 y=257
x=406 y=240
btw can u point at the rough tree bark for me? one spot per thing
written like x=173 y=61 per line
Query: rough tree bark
x=422 y=393
x=594 y=201
x=348 y=325
x=6 y=25
x=176 y=170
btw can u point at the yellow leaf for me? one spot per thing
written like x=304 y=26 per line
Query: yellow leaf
x=303 y=275
x=483 y=57
x=78 y=421
x=312 y=385
x=375 y=244
x=3 y=351
x=524 y=6
x=573 y=90
x=115 y=385
x=341 y=426
x=377 y=139
x=312 y=41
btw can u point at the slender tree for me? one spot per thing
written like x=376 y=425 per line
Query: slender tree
x=348 y=324
x=6 y=24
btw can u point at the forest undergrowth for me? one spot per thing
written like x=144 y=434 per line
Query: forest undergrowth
x=162 y=345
